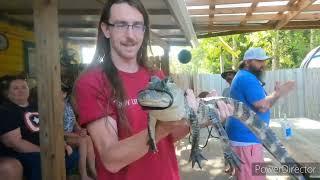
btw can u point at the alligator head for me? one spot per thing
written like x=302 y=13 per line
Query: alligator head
x=163 y=95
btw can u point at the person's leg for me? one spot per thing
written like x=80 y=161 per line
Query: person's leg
x=91 y=157
x=10 y=169
x=248 y=155
x=81 y=143
x=31 y=163
x=72 y=161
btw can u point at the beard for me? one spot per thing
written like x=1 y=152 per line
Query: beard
x=259 y=73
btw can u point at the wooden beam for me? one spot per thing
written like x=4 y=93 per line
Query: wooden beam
x=179 y=43
x=49 y=89
x=212 y=7
x=290 y=25
x=77 y=11
x=160 y=26
x=301 y=5
x=159 y=11
x=173 y=36
x=219 y=2
x=156 y=39
x=77 y=34
x=223 y=31
x=165 y=62
x=303 y=23
x=179 y=10
x=308 y=16
x=94 y=25
x=201 y=28
x=237 y=18
x=249 y=12
x=290 y=8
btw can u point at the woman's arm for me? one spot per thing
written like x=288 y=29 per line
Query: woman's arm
x=13 y=139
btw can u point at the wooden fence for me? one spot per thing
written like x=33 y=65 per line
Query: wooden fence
x=304 y=101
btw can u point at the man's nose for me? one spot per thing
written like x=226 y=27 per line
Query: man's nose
x=130 y=32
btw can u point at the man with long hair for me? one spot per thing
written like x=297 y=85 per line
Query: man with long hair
x=106 y=100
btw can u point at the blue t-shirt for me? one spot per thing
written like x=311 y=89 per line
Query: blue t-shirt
x=246 y=88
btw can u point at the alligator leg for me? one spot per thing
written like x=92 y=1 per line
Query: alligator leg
x=151 y=132
x=230 y=156
x=195 y=156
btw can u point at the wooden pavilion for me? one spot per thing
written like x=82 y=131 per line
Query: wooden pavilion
x=173 y=22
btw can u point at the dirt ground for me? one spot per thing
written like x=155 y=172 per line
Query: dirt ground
x=303 y=146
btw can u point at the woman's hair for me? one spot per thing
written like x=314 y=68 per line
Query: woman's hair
x=103 y=56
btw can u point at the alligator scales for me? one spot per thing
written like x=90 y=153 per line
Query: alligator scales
x=166 y=102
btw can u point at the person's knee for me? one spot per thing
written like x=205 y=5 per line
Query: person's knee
x=10 y=167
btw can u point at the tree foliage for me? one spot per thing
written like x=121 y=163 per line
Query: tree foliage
x=291 y=48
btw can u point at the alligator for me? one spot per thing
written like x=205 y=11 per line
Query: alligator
x=165 y=101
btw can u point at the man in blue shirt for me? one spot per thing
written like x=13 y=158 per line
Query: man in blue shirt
x=247 y=87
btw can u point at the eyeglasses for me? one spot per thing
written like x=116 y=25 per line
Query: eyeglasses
x=123 y=26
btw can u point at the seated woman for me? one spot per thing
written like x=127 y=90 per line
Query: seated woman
x=21 y=121
x=10 y=168
x=76 y=136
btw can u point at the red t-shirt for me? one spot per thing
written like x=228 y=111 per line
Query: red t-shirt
x=93 y=102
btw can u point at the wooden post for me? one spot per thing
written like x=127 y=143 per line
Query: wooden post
x=165 y=65
x=49 y=89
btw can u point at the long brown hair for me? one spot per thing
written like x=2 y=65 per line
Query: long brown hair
x=103 y=56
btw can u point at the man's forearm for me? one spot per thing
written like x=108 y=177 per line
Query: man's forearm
x=272 y=98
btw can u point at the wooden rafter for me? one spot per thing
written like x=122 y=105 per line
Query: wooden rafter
x=156 y=39
x=290 y=8
x=179 y=10
x=259 y=9
x=238 y=18
x=291 y=25
x=249 y=12
x=219 y=2
x=78 y=11
x=212 y=7
x=301 y=5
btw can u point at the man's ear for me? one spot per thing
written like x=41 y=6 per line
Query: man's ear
x=105 y=29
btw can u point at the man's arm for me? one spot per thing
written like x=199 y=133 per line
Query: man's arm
x=117 y=154
x=13 y=139
x=280 y=91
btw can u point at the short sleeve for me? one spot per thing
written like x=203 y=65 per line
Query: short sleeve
x=9 y=121
x=253 y=91
x=92 y=97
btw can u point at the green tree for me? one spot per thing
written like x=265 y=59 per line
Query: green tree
x=291 y=46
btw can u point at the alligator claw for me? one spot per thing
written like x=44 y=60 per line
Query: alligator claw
x=197 y=157
x=233 y=159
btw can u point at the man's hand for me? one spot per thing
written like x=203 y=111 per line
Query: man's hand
x=284 y=89
x=280 y=90
x=192 y=100
x=225 y=110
